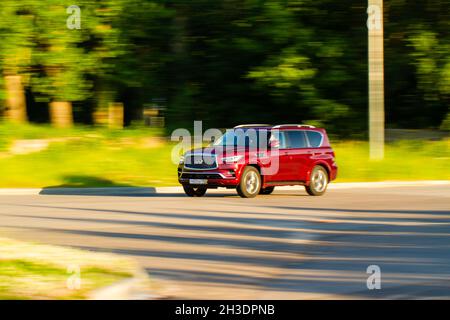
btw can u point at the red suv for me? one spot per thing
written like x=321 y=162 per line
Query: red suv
x=255 y=159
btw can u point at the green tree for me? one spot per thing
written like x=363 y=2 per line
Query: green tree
x=16 y=26
x=70 y=59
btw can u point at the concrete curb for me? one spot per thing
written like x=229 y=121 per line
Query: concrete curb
x=145 y=191
x=135 y=288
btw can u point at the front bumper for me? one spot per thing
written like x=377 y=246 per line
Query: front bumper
x=220 y=177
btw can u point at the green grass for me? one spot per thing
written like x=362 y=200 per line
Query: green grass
x=10 y=132
x=85 y=157
x=89 y=164
x=404 y=160
x=92 y=157
x=35 y=271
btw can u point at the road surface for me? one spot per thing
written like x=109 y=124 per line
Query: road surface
x=282 y=246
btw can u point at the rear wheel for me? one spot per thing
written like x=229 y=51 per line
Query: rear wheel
x=250 y=183
x=318 y=182
x=267 y=190
x=192 y=191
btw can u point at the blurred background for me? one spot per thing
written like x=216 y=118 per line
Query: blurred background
x=152 y=66
x=89 y=97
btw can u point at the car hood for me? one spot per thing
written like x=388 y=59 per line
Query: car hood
x=221 y=151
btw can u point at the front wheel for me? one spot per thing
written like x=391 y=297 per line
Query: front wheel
x=250 y=183
x=318 y=182
x=194 y=191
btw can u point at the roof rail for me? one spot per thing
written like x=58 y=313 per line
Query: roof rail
x=252 y=125
x=293 y=125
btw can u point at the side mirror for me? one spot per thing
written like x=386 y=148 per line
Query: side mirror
x=274 y=144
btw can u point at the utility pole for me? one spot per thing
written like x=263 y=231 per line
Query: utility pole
x=376 y=79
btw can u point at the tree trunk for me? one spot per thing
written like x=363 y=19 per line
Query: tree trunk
x=15 y=99
x=115 y=115
x=61 y=114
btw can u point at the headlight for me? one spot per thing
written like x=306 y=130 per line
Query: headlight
x=232 y=159
x=181 y=159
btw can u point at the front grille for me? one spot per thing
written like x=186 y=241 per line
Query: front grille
x=200 y=162
x=201 y=176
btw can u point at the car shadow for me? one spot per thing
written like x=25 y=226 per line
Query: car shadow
x=83 y=185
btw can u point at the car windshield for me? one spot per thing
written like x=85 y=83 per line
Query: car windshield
x=253 y=138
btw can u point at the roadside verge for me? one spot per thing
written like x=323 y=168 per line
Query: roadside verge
x=41 y=272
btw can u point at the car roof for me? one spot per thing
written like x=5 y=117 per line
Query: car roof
x=279 y=126
x=253 y=126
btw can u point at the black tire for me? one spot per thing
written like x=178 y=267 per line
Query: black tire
x=318 y=181
x=250 y=183
x=267 y=190
x=192 y=191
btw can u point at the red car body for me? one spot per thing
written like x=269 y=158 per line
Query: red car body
x=297 y=149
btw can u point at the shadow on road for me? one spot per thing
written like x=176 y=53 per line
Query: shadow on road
x=80 y=185
x=84 y=185
x=122 y=192
x=108 y=192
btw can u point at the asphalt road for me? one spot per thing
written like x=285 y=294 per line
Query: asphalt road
x=286 y=245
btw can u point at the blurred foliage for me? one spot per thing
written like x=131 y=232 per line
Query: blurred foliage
x=231 y=61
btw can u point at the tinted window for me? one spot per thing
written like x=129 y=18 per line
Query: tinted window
x=315 y=138
x=280 y=137
x=297 y=139
x=244 y=137
x=283 y=144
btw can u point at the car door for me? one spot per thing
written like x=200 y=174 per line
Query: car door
x=279 y=159
x=299 y=155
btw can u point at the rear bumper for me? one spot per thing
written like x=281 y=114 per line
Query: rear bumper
x=333 y=172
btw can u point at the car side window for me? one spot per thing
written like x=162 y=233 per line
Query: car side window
x=297 y=139
x=280 y=137
x=283 y=142
x=315 y=138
